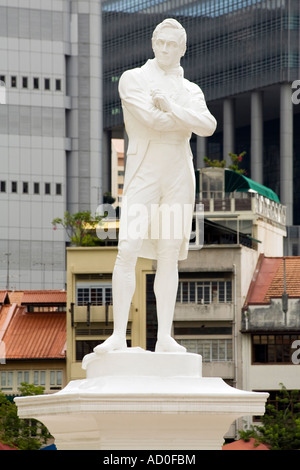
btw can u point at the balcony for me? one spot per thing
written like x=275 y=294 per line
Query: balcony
x=242 y=203
x=196 y=312
x=93 y=314
x=224 y=193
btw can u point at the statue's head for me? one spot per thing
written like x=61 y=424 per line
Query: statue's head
x=169 y=43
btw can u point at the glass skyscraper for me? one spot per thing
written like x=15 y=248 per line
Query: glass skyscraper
x=50 y=132
x=244 y=54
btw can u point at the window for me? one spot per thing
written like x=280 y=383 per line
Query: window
x=84 y=347
x=95 y=295
x=58 y=189
x=2 y=78
x=23 y=376
x=39 y=377
x=281 y=399
x=204 y=292
x=83 y=296
x=36 y=188
x=35 y=83
x=47 y=188
x=47 y=83
x=13 y=81
x=25 y=187
x=211 y=350
x=55 y=379
x=25 y=82
x=3 y=186
x=58 y=84
x=14 y=187
x=275 y=349
x=6 y=380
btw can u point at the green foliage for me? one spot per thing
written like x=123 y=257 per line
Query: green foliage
x=27 y=390
x=215 y=163
x=280 y=428
x=236 y=160
x=24 y=434
x=80 y=227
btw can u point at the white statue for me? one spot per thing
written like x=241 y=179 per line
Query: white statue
x=161 y=110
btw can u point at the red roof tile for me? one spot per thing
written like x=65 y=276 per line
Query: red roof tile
x=38 y=335
x=3 y=294
x=268 y=281
x=44 y=296
x=245 y=445
x=6 y=447
x=34 y=296
x=6 y=313
x=15 y=297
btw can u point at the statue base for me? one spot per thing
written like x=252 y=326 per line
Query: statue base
x=136 y=399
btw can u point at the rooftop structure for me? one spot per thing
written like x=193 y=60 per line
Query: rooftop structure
x=272 y=303
x=247 y=212
x=32 y=339
x=271 y=325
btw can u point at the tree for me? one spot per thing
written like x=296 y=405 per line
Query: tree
x=234 y=166
x=280 y=428
x=79 y=227
x=25 y=434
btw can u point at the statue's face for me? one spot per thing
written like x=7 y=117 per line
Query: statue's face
x=167 y=48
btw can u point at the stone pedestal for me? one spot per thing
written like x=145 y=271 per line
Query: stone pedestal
x=137 y=399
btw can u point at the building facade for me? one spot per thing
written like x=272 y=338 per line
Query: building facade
x=244 y=54
x=271 y=328
x=32 y=340
x=89 y=303
x=60 y=65
x=50 y=132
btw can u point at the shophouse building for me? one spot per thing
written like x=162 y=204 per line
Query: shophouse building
x=32 y=340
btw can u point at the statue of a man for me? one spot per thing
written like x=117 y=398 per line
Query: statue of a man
x=161 y=110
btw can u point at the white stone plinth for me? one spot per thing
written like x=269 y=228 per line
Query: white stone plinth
x=136 y=399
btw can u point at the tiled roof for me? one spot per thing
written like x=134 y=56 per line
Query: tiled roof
x=37 y=335
x=6 y=447
x=4 y=318
x=268 y=280
x=34 y=296
x=44 y=296
x=15 y=297
x=3 y=294
x=245 y=445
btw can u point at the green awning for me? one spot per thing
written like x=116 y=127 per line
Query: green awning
x=237 y=182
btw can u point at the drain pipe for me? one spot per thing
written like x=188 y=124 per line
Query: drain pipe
x=285 y=297
x=236 y=423
x=235 y=327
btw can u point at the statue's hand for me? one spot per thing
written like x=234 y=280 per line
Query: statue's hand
x=161 y=100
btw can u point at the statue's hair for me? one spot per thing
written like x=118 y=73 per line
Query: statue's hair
x=171 y=23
